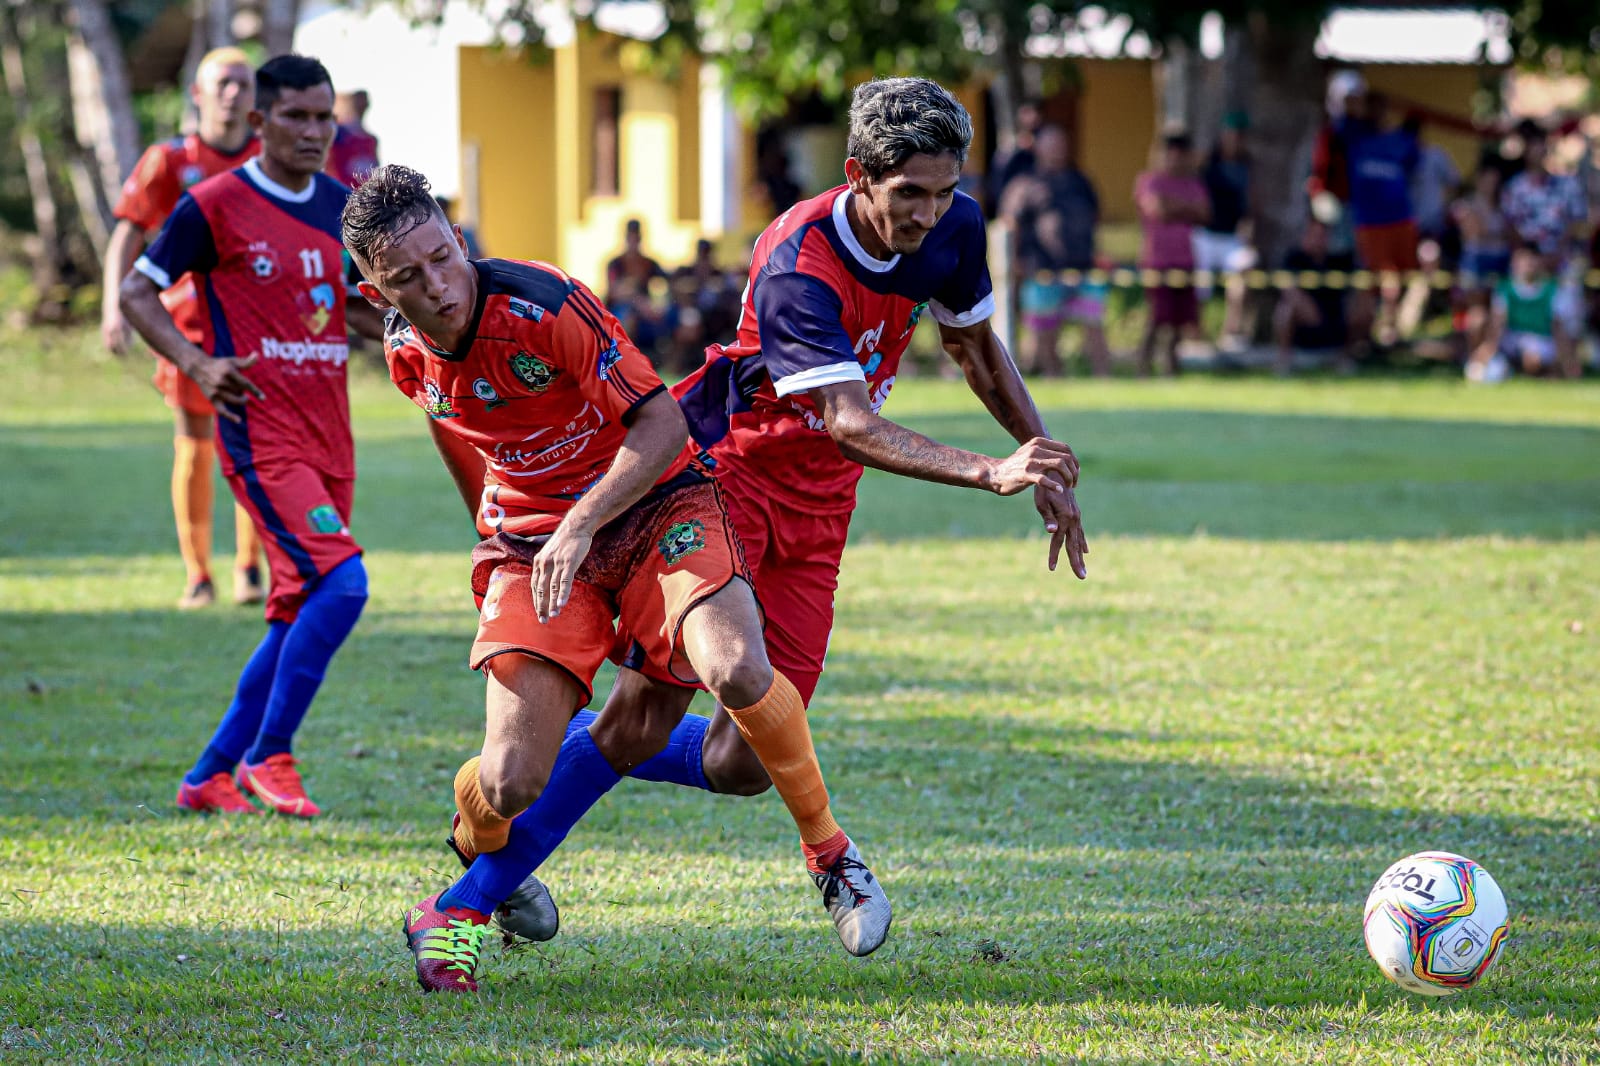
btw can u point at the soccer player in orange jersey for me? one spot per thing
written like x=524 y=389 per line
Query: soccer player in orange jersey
x=224 y=85
x=591 y=508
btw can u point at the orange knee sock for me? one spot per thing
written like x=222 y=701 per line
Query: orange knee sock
x=246 y=541
x=775 y=727
x=482 y=827
x=191 y=503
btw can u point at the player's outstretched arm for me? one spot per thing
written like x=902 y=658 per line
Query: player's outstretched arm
x=221 y=380
x=993 y=377
x=656 y=436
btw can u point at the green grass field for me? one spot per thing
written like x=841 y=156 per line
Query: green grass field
x=1127 y=820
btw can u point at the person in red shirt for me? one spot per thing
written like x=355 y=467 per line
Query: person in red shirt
x=354 y=154
x=262 y=245
x=558 y=430
x=223 y=85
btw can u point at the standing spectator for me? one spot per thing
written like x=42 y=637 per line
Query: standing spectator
x=1017 y=159
x=1328 y=186
x=705 y=306
x=1527 y=328
x=1318 y=317
x=629 y=276
x=1172 y=202
x=1485 y=250
x=1434 y=184
x=1054 y=212
x=1383 y=157
x=1223 y=243
x=1548 y=212
x=354 y=154
x=772 y=175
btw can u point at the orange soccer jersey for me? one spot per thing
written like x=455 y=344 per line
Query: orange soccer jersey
x=540 y=387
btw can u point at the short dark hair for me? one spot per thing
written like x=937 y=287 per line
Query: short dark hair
x=893 y=119
x=393 y=201
x=288 y=72
x=1178 y=139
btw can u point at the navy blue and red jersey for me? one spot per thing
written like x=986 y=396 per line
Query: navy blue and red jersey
x=540 y=386
x=820 y=310
x=163 y=174
x=270 y=271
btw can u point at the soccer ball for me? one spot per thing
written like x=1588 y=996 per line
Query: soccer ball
x=1435 y=923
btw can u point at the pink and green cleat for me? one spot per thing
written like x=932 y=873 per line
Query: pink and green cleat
x=447 y=944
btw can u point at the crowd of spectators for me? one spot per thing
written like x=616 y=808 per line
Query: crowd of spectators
x=672 y=316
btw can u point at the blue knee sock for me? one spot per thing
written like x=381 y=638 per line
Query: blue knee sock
x=681 y=762
x=325 y=619
x=579 y=778
x=242 y=720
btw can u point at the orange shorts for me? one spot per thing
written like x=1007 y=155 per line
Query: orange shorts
x=1390 y=247
x=180 y=393
x=652 y=566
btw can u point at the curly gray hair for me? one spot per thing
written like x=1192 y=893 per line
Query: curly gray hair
x=893 y=119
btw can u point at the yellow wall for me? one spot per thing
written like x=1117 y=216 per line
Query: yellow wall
x=533 y=124
x=508 y=111
x=1446 y=88
x=1116 y=126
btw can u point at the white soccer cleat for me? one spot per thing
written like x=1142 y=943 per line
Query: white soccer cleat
x=530 y=912
x=857 y=902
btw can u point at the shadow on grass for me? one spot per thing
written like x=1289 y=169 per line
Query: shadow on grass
x=77 y=489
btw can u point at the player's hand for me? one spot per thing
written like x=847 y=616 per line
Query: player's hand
x=115 y=333
x=224 y=384
x=555 y=569
x=1049 y=464
x=1064 y=522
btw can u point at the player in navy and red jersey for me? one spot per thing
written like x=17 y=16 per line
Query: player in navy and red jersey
x=354 y=154
x=262 y=245
x=789 y=413
x=223 y=85
x=562 y=438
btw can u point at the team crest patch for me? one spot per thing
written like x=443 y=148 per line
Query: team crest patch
x=484 y=390
x=608 y=359
x=263 y=261
x=533 y=371
x=523 y=309
x=682 y=540
x=915 y=317
x=324 y=519
x=321 y=301
x=191 y=175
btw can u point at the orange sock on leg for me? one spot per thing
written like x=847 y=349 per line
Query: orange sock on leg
x=482 y=827
x=191 y=503
x=776 y=729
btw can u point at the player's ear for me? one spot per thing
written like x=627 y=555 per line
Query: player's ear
x=374 y=297
x=461 y=241
x=855 y=176
x=256 y=119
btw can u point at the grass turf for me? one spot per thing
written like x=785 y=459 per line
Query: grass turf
x=1129 y=820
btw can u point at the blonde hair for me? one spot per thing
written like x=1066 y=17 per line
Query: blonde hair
x=225 y=56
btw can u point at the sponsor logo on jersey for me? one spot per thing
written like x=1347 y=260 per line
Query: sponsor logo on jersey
x=681 y=541
x=873 y=364
x=813 y=421
x=263 y=261
x=485 y=391
x=435 y=404
x=321 y=300
x=868 y=341
x=523 y=309
x=324 y=519
x=608 y=359
x=333 y=353
x=532 y=371
x=914 y=317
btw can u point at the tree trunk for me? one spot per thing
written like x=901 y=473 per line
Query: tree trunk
x=277 y=29
x=102 y=103
x=1008 y=88
x=49 y=254
x=93 y=210
x=1286 y=112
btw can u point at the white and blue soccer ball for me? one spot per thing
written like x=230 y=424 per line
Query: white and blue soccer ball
x=1435 y=923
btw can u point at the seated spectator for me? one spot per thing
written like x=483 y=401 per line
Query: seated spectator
x=1548 y=211
x=1222 y=245
x=705 y=307
x=1171 y=203
x=1319 y=317
x=1527 y=330
x=629 y=276
x=1054 y=212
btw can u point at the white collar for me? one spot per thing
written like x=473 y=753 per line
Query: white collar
x=841 y=222
x=272 y=188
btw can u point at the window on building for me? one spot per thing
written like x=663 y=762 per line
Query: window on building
x=607 y=141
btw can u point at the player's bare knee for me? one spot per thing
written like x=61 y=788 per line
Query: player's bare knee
x=510 y=785
x=739 y=680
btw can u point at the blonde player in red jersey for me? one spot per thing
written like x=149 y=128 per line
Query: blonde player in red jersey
x=546 y=413
x=224 y=86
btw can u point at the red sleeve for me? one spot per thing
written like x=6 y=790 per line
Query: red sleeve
x=588 y=342
x=151 y=191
